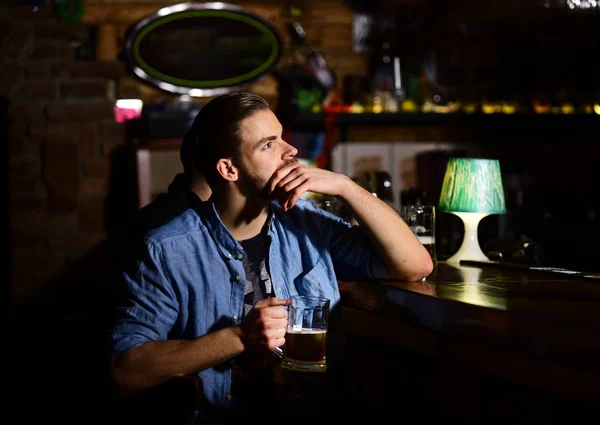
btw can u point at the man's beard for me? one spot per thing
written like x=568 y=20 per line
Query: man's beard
x=253 y=185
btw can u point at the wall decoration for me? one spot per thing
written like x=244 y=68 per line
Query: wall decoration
x=202 y=49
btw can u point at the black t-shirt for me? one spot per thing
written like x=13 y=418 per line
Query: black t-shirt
x=252 y=379
x=258 y=281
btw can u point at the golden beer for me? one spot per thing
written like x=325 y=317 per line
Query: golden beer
x=304 y=350
x=429 y=244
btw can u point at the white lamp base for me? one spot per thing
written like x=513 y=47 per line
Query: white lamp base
x=469 y=249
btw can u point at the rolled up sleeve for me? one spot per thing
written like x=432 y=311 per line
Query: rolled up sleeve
x=151 y=307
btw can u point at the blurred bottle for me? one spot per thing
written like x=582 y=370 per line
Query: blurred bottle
x=379 y=183
x=414 y=196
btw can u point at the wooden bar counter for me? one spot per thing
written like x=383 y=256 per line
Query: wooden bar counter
x=481 y=343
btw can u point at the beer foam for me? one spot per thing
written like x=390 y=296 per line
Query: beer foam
x=300 y=330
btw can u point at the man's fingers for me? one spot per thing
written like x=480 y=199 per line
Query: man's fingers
x=294 y=183
x=290 y=180
x=271 y=308
x=276 y=332
x=281 y=174
x=271 y=302
x=270 y=313
x=297 y=194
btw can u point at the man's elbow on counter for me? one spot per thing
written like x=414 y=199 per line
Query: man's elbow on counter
x=427 y=268
x=415 y=270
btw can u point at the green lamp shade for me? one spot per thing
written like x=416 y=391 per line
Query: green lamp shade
x=472 y=185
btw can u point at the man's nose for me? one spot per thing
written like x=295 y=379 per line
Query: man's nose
x=290 y=151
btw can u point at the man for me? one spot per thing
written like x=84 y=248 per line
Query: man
x=209 y=289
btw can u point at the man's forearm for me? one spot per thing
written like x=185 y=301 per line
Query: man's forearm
x=403 y=254
x=155 y=362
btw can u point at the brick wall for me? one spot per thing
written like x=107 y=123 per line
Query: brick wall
x=61 y=136
x=327 y=23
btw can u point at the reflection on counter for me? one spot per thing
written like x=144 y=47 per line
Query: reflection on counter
x=468 y=287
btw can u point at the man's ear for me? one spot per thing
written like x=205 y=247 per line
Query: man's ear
x=227 y=170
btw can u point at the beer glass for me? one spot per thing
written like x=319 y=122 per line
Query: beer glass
x=306 y=334
x=421 y=220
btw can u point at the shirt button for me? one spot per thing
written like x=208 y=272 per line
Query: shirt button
x=240 y=255
x=229 y=397
x=229 y=255
x=234 y=318
x=239 y=277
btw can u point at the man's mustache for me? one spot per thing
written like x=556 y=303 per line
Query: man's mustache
x=286 y=163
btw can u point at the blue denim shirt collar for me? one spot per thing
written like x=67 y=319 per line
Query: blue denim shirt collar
x=227 y=244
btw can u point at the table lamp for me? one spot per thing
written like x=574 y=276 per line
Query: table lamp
x=472 y=189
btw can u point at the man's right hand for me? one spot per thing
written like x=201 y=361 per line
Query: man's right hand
x=264 y=327
x=290 y=182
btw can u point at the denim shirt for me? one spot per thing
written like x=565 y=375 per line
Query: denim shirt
x=189 y=280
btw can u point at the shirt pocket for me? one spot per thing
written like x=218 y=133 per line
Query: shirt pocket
x=316 y=282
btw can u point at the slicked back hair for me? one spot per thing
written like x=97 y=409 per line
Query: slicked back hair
x=187 y=152
x=216 y=130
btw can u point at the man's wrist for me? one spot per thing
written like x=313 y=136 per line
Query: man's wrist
x=347 y=185
x=237 y=338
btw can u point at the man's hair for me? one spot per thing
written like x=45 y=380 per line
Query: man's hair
x=187 y=152
x=216 y=131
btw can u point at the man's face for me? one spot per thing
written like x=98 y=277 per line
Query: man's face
x=263 y=152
